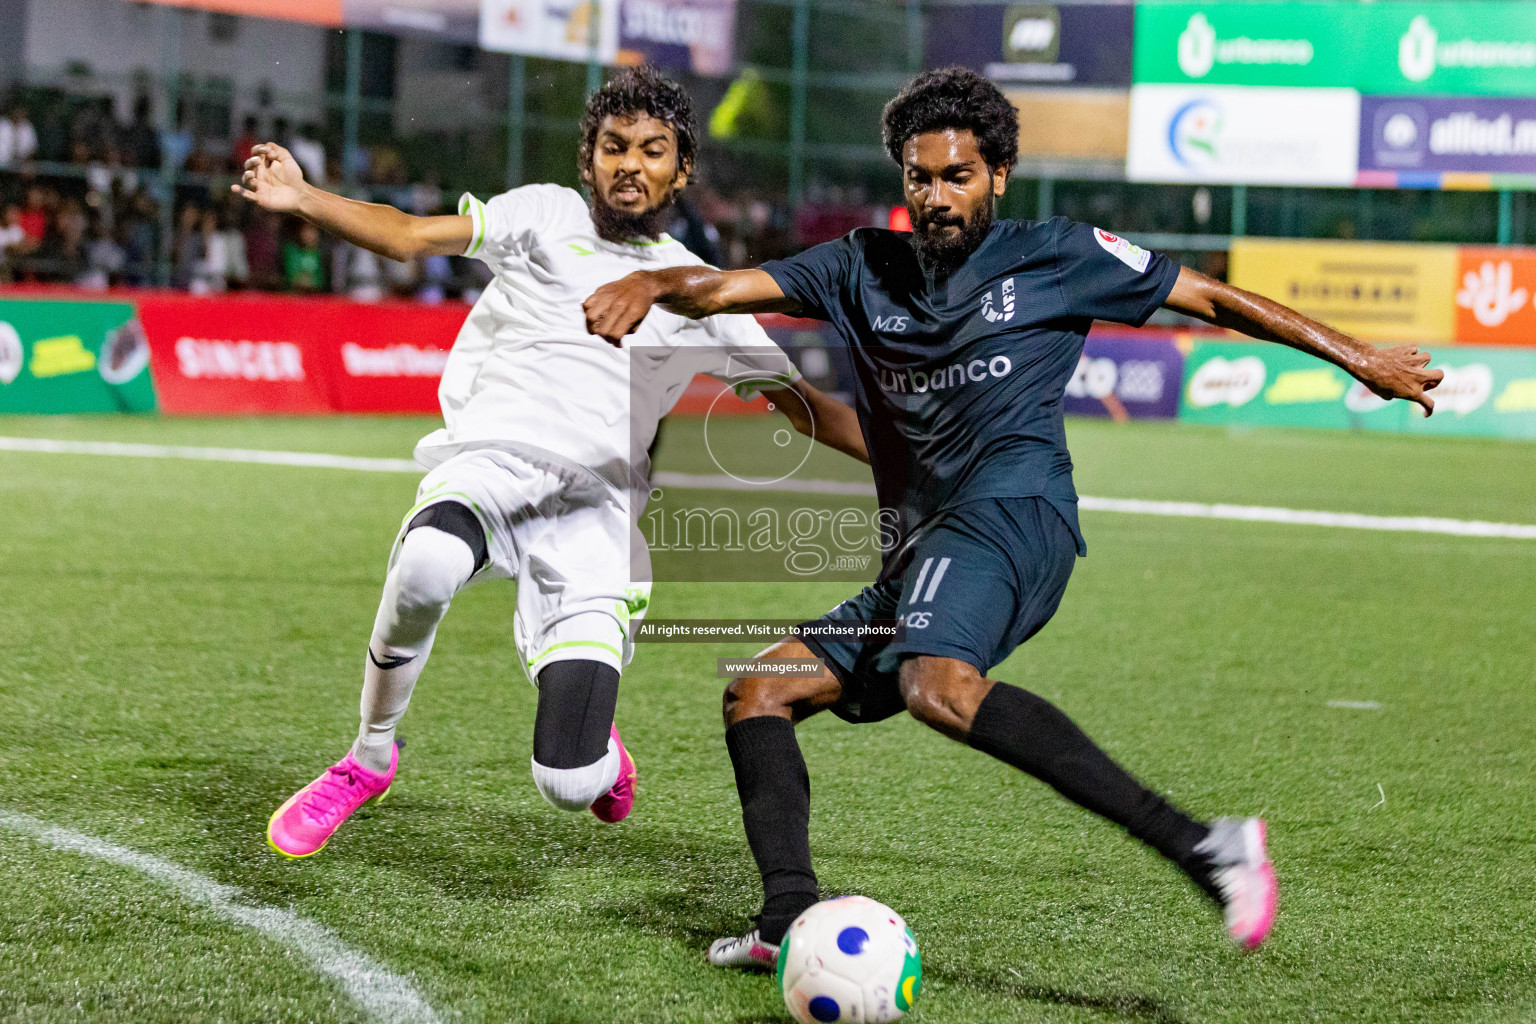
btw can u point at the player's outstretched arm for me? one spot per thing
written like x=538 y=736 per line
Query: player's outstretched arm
x=273 y=180
x=820 y=417
x=616 y=309
x=1400 y=372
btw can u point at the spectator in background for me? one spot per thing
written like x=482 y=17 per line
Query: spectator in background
x=308 y=150
x=36 y=215
x=240 y=151
x=61 y=257
x=176 y=143
x=104 y=258
x=18 y=138
x=141 y=143
x=187 y=246
x=357 y=273
x=11 y=238
x=140 y=234
x=303 y=269
x=237 y=267
x=264 y=251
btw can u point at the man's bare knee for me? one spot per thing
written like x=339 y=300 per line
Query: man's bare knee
x=943 y=693
x=754 y=697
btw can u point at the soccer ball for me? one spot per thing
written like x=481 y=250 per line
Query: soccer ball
x=850 y=959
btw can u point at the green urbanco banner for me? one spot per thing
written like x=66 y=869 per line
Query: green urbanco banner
x=1487 y=392
x=73 y=357
x=1470 y=48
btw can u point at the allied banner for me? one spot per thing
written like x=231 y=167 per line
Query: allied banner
x=1258 y=136
x=1081 y=44
x=1408 y=135
x=1127 y=375
x=1487 y=48
x=1486 y=392
x=72 y=357
x=1375 y=290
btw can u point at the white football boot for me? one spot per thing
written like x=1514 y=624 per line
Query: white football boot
x=1242 y=872
x=747 y=952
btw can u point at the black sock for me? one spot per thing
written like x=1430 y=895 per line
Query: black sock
x=1034 y=736
x=576 y=704
x=775 y=791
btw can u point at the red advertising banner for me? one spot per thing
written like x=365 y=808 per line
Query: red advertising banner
x=238 y=356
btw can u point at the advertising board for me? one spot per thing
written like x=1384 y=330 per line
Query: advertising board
x=1375 y=290
x=1258 y=136
x=578 y=31
x=1126 y=376
x=257 y=355
x=1468 y=135
x=1486 y=48
x=316 y=12
x=698 y=35
x=72 y=357
x=1081 y=44
x=1486 y=392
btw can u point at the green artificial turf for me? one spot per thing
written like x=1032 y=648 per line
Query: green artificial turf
x=181 y=643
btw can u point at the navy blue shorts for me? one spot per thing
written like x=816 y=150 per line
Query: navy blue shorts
x=980 y=581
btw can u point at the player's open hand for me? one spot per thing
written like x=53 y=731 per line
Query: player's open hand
x=273 y=179
x=1402 y=372
x=616 y=309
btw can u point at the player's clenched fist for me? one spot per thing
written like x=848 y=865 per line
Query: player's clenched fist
x=617 y=308
x=272 y=179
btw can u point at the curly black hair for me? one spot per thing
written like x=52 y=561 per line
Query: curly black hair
x=956 y=98
x=640 y=90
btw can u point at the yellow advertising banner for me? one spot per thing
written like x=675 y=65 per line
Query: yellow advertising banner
x=1379 y=291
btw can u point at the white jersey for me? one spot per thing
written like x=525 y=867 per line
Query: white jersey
x=525 y=376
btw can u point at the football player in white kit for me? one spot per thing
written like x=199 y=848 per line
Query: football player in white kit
x=539 y=473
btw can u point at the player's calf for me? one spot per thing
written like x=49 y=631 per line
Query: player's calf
x=579 y=761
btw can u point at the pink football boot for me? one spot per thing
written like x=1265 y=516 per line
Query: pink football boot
x=1241 y=870
x=306 y=822
x=615 y=805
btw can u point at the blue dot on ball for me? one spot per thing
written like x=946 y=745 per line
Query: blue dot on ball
x=852 y=940
x=825 y=1009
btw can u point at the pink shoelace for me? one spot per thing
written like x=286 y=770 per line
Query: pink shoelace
x=332 y=790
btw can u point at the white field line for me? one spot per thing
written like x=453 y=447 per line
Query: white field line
x=1356 y=705
x=1131 y=506
x=384 y=996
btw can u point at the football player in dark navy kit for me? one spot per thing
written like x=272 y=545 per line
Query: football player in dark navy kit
x=964 y=335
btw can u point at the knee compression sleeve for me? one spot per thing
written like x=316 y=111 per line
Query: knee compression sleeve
x=574 y=759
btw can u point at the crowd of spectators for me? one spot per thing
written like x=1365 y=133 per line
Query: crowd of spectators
x=95 y=201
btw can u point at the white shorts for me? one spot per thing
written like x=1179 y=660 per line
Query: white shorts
x=565 y=537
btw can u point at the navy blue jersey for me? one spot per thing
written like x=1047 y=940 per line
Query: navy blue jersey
x=960 y=378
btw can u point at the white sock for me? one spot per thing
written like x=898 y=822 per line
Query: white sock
x=430 y=569
x=574 y=789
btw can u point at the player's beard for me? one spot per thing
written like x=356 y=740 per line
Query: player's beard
x=945 y=255
x=617 y=225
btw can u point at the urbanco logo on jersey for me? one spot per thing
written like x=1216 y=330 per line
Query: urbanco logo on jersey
x=1002 y=309
x=918 y=382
